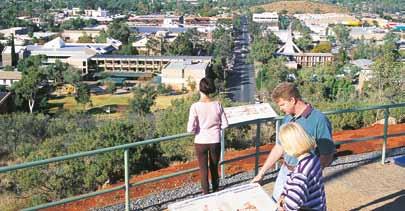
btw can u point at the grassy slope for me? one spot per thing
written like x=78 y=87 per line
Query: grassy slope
x=69 y=103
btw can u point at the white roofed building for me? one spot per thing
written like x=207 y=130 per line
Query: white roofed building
x=270 y=18
x=75 y=54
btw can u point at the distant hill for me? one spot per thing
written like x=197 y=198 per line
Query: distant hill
x=302 y=7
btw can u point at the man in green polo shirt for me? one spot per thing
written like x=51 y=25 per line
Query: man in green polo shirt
x=315 y=123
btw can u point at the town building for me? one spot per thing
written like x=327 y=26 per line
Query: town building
x=156 y=40
x=7 y=78
x=368 y=33
x=184 y=74
x=176 y=71
x=14 y=30
x=328 y=18
x=75 y=54
x=74 y=35
x=155 y=20
x=96 y=13
x=268 y=18
x=291 y=51
x=20 y=53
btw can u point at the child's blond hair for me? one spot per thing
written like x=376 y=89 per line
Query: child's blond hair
x=294 y=140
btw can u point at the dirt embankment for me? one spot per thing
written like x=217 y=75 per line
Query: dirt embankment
x=294 y=7
x=240 y=166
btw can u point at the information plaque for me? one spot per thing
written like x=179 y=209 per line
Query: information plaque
x=249 y=197
x=249 y=112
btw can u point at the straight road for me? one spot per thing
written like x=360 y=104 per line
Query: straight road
x=241 y=84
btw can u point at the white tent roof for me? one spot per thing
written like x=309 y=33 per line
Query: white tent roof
x=55 y=43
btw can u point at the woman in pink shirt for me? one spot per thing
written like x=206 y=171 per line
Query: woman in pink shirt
x=206 y=120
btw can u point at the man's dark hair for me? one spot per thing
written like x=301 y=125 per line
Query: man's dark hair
x=285 y=91
x=207 y=86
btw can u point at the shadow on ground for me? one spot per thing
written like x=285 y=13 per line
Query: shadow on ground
x=397 y=204
x=106 y=109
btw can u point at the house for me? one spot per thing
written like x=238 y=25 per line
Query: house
x=184 y=74
x=7 y=78
x=20 y=52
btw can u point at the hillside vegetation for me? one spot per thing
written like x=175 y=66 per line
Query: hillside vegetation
x=301 y=7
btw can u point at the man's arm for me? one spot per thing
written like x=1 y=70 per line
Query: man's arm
x=326 y=159
x=325 y=142
x=273 y=157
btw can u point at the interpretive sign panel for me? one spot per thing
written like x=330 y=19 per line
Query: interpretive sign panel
x=249 y=112
x=249 y=197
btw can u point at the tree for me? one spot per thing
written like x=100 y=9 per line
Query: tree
x=119 y=30
x=259 y=10
x=73 y=24
x=72 y=76
x=375 y=23
x=127 y=49
x=342 y=36
x=154 y=46
x=172 y=121
x=102 y=37
x=271 y=74
x=263 y=48
x=56 y=71
x=111 y=87
x=29 y=86
x=388 y=74
x=85 y=38
x=182 y=45
x=143 y=99
x=82 y=95
x=13 y=54
x=283 y=21
x=79 y=133
x=322 y=47
x=305 y=42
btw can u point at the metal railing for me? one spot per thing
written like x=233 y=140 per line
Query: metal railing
x=257 y=154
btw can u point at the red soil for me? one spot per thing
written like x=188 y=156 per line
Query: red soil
x=233 y=168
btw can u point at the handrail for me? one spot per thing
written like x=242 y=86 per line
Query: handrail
x=125 y=147
x=92 y=152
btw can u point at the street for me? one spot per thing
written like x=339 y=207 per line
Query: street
x=241 y=84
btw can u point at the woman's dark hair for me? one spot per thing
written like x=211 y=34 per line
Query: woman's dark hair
x=207 y=86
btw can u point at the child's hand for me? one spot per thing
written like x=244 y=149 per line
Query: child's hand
x=280 y=204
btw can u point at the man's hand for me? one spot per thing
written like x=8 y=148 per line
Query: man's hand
x=326 y=160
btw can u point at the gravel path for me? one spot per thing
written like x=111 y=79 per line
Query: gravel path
x=161 y=200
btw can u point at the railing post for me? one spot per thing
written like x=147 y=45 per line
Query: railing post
x=384 y=147
x=257 y=145
x=127 y=204
x=222 y=153
x=277 y=137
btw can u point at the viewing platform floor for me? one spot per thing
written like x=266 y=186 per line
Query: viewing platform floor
x=370 y=186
